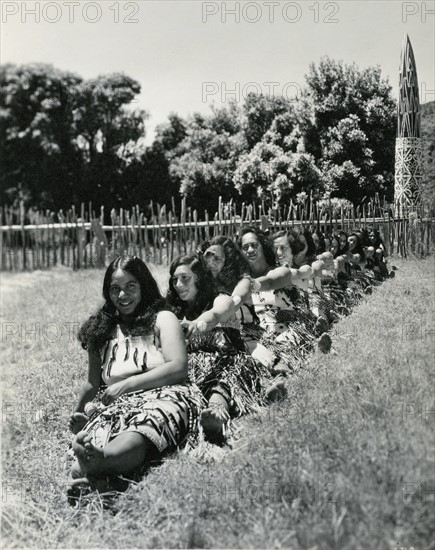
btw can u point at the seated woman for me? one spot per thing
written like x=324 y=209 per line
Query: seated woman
x=231 y=380
x=343 y=236
x=308 y=282
x=355 y=253
x=228 y=266
x=230 y=271
x=379 y=259
x=288 y=326
x=307 y=255
x=137 y=401
x=377 y=243
x=319 y=241
x=360 y=280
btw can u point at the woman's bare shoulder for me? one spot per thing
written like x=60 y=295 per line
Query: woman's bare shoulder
x=165 y=316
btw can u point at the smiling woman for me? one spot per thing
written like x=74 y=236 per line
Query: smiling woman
x=125 y=293
x=219 y=362
x=137 y=378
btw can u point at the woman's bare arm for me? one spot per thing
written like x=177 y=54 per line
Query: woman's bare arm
x=243 y=289
x=90 y=387
x=174 y=369
x=223 y=309
x=280 y=277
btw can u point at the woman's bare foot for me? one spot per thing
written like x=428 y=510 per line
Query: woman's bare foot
x=333 y=317
x=214 y=421
x=324 y=343
x=89 y=458
x=76 y=471
x=281 y=368
x=276 y=392
x=321 y=326
x=77 y=421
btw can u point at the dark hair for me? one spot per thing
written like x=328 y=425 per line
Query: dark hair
x=95 y=332
x=378 y=240
x=279 y=234
x=359 y=246
x=342 y=249
x=311 y=250
x=364 y=236
x=266 y=244
x=205 y=284
x=295 y=243
x=235 y=265
x=321 y=247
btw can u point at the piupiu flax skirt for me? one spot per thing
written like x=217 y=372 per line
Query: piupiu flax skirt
x=167 y=416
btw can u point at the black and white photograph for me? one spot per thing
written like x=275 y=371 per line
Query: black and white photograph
x=217 y=270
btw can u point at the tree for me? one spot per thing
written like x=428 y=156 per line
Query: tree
x=259 y=113
x=40 y=158
x=107 y=133
x=343 y=176
x=204 y=161
x=171 y=134
x=272 y=174
x=64 y=140
x=341 y=100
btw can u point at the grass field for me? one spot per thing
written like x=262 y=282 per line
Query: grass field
x=347 y=461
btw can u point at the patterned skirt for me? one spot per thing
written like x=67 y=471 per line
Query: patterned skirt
x=332 y=299
x=290 y=345
x=220 y=363
x=167 y=416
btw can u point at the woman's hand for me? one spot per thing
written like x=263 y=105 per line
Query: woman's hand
x=112 y=393
x=77 y=421
x=190 y=328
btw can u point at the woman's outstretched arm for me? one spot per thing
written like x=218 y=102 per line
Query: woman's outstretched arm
x=282 y=277
x=243 y=289
x=223 y=309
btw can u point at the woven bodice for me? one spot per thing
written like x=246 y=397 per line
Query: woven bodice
x=125 y=356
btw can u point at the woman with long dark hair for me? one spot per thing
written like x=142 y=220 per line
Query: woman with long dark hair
x=137 y=401
x=288 y=326
x=232 y=382
x=310 y=295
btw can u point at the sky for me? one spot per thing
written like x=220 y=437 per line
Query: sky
x=189 y=55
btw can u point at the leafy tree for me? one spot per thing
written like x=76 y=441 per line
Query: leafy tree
x=268 y=172
x=65 y=140
x=341 y=102
x=259 y=113
x=108 y=131
x=171 y=134
x=40 y=158
x=204 y=161
x=348 y=164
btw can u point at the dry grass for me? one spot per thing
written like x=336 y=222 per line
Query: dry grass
x=347 y=461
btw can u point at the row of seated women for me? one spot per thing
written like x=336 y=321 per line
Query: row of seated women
x=237 y=319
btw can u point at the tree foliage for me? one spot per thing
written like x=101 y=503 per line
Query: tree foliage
x=349 y=119
x=66 y=140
